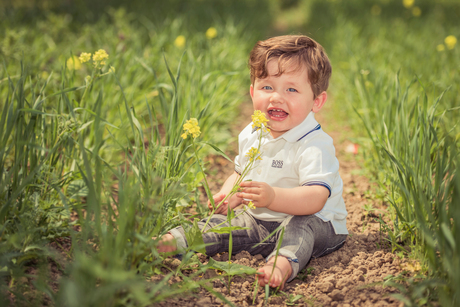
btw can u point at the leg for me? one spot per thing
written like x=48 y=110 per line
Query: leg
x=167 y=244
x=305 y=237
x=243 y=239
x=275 y=276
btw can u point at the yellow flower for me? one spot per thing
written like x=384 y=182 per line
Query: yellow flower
x=191 y=127
x=440 y=47
x=180 y=41
x=450 y=41
x=253 y=154
x=408 y=3
x=211 y=33
x=251 y=205
x=413 y=266
x=112 y=69
x=259 y=120
x=416 y=11
x=84 y=57
x=73 y=63
x=100 y=56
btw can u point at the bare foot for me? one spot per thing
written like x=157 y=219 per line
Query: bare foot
x=167 y=244
x=275 y=277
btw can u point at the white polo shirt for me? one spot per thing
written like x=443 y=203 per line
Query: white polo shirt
x=303 y=156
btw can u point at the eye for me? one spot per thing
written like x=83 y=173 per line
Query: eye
x=293 y=90
x=266 y=87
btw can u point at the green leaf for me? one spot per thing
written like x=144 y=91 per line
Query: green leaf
x=77 y=188
x=230 y=268
x=85 y=125
x=219 y=151
x=448 y=235
x=227 y=229
x=195 y=238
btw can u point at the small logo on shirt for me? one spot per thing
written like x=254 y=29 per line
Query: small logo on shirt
x=277 y=163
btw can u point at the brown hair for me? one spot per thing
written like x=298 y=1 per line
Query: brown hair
x=292 y=50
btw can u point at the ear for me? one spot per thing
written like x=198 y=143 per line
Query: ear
x=319 y=102
x=251 y=91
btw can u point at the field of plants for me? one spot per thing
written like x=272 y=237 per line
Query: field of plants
x=94 y=162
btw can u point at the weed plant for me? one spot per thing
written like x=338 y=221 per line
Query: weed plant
x=100 y=158
x=108 y=168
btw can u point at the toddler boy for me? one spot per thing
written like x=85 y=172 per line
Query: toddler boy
x=297 y=184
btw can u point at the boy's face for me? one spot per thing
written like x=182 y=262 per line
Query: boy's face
x=286 y=100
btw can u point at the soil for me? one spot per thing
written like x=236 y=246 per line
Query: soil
x=351 y=276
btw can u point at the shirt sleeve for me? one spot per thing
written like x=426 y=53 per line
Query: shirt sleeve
x=317 y=164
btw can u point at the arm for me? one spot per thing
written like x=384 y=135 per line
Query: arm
x=226 y=189
x=303 y=200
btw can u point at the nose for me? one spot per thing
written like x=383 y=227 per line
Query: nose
x=276 y=97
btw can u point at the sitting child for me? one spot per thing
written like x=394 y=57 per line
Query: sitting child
x=297 y=183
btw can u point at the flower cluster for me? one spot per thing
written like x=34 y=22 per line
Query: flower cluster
x=253 y=154
x=85 y=57
x=211 y=33
x=251 y=205
x=179 y=42
x=191 y=127
x=73 y=63
x=259 y=120
x=99 y=57
x=450 y=41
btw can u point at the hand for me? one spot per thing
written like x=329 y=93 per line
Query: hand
x=261 y=193
x=231 y=202
x=217 y=199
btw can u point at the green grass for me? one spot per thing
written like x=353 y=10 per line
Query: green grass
x=109 y=152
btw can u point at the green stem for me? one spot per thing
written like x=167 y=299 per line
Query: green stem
x=237 y=183
x=206 y=185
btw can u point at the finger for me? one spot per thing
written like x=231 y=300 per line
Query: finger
x=249 y=196
x=247 y=183
x=218 y=198
x=251 y=190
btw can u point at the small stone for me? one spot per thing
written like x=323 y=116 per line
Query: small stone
x=342 y=283
x=242 y=255
x=259 y=257
x=374 y=297
x=388 y=258
x=204 y=301
x=336 y=295
x=332 y=279
x=325 y=287
x=363 y=269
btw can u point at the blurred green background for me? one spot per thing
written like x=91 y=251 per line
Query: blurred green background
x=66 y=144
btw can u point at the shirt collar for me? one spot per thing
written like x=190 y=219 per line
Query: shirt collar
x=303 y=129
x=300 y=131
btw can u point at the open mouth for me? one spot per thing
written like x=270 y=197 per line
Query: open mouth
x=277 y=114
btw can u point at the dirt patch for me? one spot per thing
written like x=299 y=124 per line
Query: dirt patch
x=351 y=276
